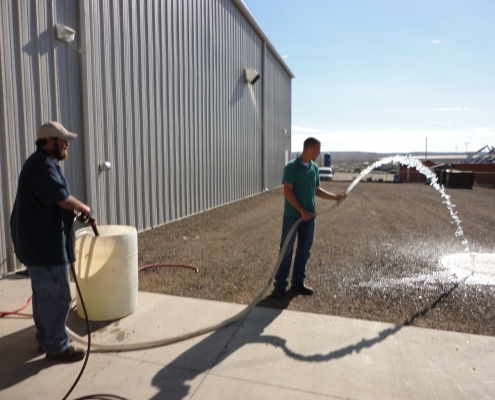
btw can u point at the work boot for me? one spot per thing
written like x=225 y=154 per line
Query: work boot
x=67 y=356
x=277 y=293
x=302 y=289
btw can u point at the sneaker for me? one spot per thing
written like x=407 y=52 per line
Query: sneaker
x=277 y=293
x=69 y=355
x=303 y=289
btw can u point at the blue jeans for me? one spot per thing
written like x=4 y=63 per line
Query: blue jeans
x=305 y=233
x=51 y=305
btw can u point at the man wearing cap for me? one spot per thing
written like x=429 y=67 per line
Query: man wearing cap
x=41 y=229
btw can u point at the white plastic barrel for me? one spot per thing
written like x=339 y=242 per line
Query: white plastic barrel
x=107 y=271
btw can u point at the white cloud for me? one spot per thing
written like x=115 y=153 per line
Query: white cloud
x=285 y=56
x=436 y=41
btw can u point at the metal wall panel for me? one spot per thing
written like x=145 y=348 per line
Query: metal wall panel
x=277 y=119
x=157 y=89
x=172 y=111
x=39 y=81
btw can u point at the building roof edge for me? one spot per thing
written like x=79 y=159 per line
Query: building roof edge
x=245 y=11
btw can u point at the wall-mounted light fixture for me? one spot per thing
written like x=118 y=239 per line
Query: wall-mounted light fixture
x=105 y=166
x=251 y=75
x=64 y=33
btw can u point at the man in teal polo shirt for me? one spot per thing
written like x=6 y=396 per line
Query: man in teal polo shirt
x=301 y=184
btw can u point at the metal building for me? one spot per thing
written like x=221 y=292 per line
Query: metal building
x=157 y=89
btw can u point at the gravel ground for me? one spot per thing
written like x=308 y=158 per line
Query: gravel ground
x=375 y=257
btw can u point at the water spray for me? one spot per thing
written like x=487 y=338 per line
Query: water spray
x=423 y=169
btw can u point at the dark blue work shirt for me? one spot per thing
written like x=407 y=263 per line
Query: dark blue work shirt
x=41 y=230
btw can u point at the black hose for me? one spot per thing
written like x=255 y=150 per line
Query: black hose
x=88 y=329
x=83 y=306
x=86 y=219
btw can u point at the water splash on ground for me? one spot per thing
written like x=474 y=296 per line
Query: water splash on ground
x=468 y=268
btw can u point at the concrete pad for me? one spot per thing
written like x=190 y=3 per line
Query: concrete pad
x=221 y=388
x=162 y=316
x=104 y=374
x=15 y=291
x=135 y=380
x=271 y=354
x=17 y=326
x=340 y=357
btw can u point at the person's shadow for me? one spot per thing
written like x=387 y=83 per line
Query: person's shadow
x=18 y=349
x=172 y=379
x=16 y=355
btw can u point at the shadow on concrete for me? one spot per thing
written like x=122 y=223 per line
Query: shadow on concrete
x=17 y=353
x=21 y=274
x=78 y=325
x=333 y=355
x=364 y=343
x=172 y=379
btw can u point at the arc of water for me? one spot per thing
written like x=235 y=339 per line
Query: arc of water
x=423 y=169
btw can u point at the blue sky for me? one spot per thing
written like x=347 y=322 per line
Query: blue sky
x=384 y=75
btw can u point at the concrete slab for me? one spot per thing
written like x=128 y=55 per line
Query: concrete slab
x=104 y=373
x=221 y=388
x=271 y=354
x=159 y=317
x=339 y=357
x=15 y=291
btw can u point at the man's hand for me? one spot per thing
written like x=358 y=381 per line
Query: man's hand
x=306 y=215
x=328 y=195
x=292 y=199
x=86 y=219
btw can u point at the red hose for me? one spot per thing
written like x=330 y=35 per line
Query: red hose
x=5 y=313
x=16 y=312
x=169 y=265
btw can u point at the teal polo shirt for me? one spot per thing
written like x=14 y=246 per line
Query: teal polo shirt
x=305 y=180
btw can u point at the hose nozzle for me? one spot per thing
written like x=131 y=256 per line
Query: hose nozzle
x=87 y=219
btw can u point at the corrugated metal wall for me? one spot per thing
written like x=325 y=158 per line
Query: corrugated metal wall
x=158 y=91
x=184 y=131
x=278 y=119
x=39 y=81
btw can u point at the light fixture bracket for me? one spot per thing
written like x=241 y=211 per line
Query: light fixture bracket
x=251 y=75
x=64 y=33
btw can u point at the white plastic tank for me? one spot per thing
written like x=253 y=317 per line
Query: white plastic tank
x=107 y=271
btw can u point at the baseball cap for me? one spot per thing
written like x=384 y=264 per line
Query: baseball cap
x=54 y=129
